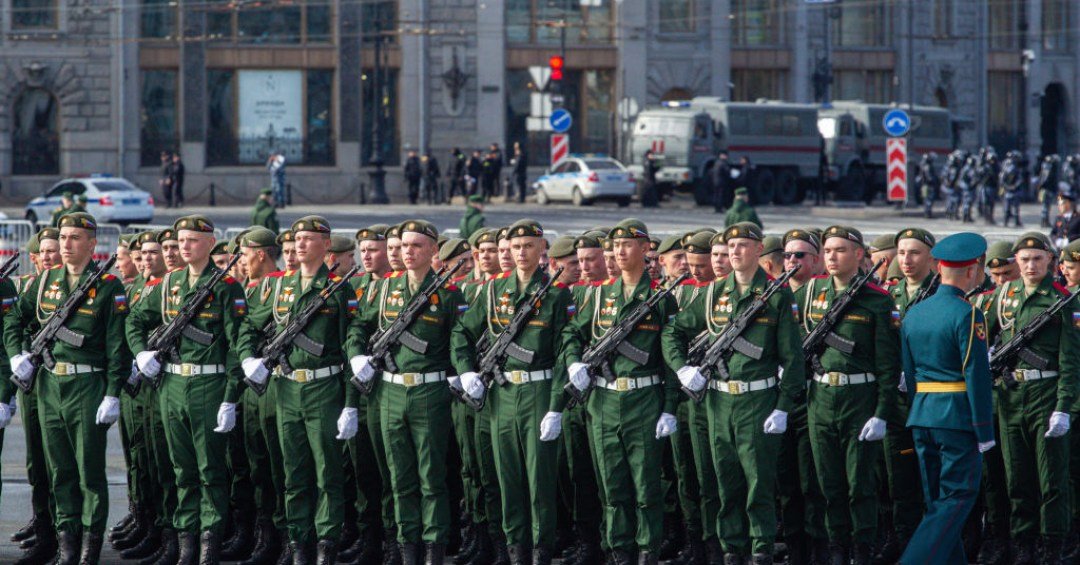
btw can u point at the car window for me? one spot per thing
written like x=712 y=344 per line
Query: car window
x=113 y=186
x=572 y=167
x=72 y=187
x=601 y=165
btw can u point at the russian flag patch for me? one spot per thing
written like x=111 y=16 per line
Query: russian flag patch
x=352 y=306
x=462 y=308
x=571 y=309
x=7 y=303
x=119 y=303
x=240 y=306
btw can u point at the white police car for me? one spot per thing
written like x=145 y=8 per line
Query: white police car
x=109 y=199
x=582 y=179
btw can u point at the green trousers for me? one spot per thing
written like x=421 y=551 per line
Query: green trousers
x=902 y=475
x=525 y=465
x=374 y=428
x=37 y=469
x=307 y=426
x=584 y=502
x=137 y=450
x=189 y=407
x=162 y=474
x=369 y=486
x=241 y=489
x=464 y=419
x=490 y=507
x=416 y=431
x=745 y=469
x=75 y=449
x=257 y=451
x=686 y=469
x=845 y=465
x=701 y=442
x=1036 y=467
x=802 y=507
x=628 y=459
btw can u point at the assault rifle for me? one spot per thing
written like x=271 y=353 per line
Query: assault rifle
x=926 y=291
x=165 y=340
x=54 y=329
x=598 y=355
x=398 y=331
x=730 y=339
x=1007 y=354
x=276 y=352
x=9 y=266
x=823 y=334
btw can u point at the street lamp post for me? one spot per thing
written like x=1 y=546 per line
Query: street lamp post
x=377 y=174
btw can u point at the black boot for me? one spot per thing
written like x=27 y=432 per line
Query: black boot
x=146 y=547
x=70 y=545
x=588 y=553
x=761 y=559
x=169 y=551
x=819 y=550
x=301 y=553
x=91 y=550
x=241 y=544
x=45 y=545
x=671 y=543
x=28 y=531
x=412 y=554
x=621 y=557
x=327 y=553
x=994 y=549
x=285 y=557
x=862 y=555
x=483 y=553
x=541 y=556
x=734 y=559
x=647 y=558
x=135 y=535
x=502 y=552
x=839 y=554
x=469 y=533
x=893 y=548
x=1051 y=550
x=1025 y=551
x=189 y=548
x=436 y=554
x=267 y=547
x=714 y=553
x=122 y=524
x=210 y=546
x=518 y=554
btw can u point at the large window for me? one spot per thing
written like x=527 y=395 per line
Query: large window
x=869 y=86
x=28 y=15
x=378 y=16
x=1005 y=24
x=862 y=24
x=284 y=111
x=274 y=23
x=676 y=16
x=751 y=84
x=545 y=21
x=381 y=106
x=158 y=120
x=1055 y=24
x=944 y=12
x=588 y=95
x=35 y=138
x=157 y=19
x=757 y=22
x=1005 y=97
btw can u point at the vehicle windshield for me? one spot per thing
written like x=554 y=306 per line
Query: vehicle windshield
x=113 y=186
x=827 y=127
x=664 y=126
x=602 y=165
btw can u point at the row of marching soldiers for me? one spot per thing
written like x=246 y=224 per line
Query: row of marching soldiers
x=346 y=446
x=971 y=183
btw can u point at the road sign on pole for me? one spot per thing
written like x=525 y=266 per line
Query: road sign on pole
x=561 y=120
x=560 y=148
x=896 y=122
x=896 y=170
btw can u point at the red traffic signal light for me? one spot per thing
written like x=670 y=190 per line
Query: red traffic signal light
x=555 y=63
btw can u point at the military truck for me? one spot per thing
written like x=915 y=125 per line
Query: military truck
x=855 y=144
x=780 y=139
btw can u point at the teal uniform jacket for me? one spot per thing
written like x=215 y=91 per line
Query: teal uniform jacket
x=944 y=341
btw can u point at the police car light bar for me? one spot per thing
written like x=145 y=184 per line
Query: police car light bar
x=677 y=103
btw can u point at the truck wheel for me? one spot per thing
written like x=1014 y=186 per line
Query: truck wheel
x=787 y=188
x=764 y=188
x=703 y=195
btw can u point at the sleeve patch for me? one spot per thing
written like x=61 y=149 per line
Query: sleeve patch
x=120 y=303
x=240 y=306
x=980 y=330
x=7 y=303
x=571 y=309
x=462 y=308
x=1076 y=320
x=352 y=306
x=895 y=318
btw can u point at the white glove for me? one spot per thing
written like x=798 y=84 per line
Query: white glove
x=255 y=370
x=133 y=377
x=148 y=363
x=226 y=418
x=22 y=367
x=873 y=430
x=666 y=425
x=579 y=376
x=902 y=385
x=472 y=385
x=7 y=412
x=108 y=411
x=986 y=446
x=347 y=423
x=776 y=423
x=455 y=382
x=361 y=367
x=691 y=378
x=1059 y=425
x=551 y=426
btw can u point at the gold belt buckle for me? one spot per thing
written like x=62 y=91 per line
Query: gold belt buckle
x=733 y=387
x=517 y=377
x=187 y=369
x=302 y=375
x=410 y=379
x=834 y=378
x=622 y=384
x=63 y=369
x=1019 y=375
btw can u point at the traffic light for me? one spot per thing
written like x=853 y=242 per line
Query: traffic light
x=555 y=63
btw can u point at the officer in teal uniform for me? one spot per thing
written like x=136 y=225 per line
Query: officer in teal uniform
x=947 y=379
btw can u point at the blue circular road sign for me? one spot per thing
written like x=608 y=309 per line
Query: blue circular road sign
x=896 y=122
x=561 y=120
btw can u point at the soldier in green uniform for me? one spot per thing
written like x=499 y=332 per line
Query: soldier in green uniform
x=1034 y=414
x=749 y=411
x=312 y=411
x=721 y=264
x=343 y=252
x=474 y=216
x=741 y=211
x=947 y=379
x=630 y=414
x=851 y=400
x=220 y=254
x=1069 y=266
x=506 y=259
x=415 y=402
x=67 y=206
x=772 y=256
x=393 y=248
x=563 y=255
x=527 y=414
x=78 y=397
x=8 y=401
x=265 y=214
x=882 y=247
x=286 y=240
x=39 y=536
x=199 y=388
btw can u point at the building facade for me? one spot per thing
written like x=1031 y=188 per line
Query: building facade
x=105 y=86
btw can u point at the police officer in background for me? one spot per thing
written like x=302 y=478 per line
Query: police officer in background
x=947 y=380
x=1047 y=186
x=1011 y=180
x=927 y=180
